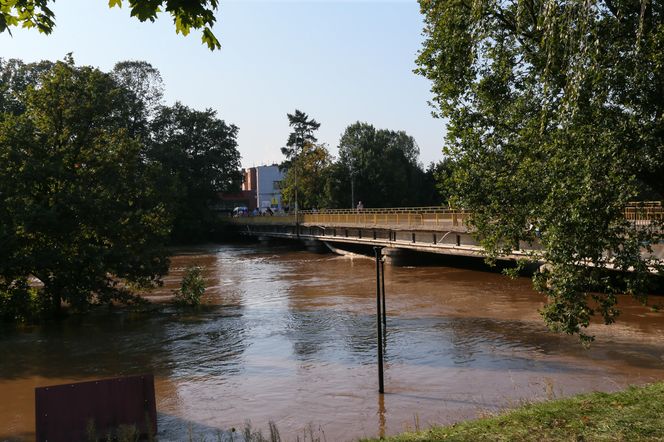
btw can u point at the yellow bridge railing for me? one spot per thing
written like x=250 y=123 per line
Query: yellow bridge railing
x=402 y=217
x=643 y=213
x=639 y=213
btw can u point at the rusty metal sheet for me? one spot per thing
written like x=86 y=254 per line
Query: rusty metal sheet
x=63 y=412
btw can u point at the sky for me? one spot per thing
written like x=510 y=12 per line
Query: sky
x=338 y=61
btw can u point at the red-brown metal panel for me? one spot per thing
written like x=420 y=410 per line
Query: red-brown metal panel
x=63 y=412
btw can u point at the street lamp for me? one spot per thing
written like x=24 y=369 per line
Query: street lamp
x=351 y=166
x=352 y=188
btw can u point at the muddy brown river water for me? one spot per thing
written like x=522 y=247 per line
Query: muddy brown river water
x=289 y=336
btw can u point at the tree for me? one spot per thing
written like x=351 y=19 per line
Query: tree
x=78 y=208
x=145 y=89
x=199 y=155
x=15 y=78
x=383 y=166
x=301 y=136
x=187 y=15
x=309 y=170
x=555 y=124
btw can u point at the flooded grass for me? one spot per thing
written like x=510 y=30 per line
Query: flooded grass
x=634 y=414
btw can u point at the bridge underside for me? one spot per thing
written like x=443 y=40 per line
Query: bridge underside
x=393 y=241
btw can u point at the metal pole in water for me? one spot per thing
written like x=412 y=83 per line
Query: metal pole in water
x=381 y=387
x=382 y=290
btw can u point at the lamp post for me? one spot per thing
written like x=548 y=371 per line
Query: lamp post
x=297 y=218
x=352 y=188
x=351 y=167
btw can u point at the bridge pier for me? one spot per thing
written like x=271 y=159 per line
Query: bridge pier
x=314 y=245
x=264 y=240
x=394 y=256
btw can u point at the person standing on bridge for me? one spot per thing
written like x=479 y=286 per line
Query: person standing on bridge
x=360 y=206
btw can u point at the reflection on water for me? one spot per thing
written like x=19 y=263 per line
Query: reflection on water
x=289 y=336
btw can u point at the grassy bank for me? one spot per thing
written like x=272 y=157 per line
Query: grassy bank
x=633 y=414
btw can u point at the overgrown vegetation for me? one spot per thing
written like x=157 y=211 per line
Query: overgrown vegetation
x=555 y=124
x=192 y=14
x=21 y=303
x=98 y=177
x=192 y=288
x=635 y=414
x=379 y=167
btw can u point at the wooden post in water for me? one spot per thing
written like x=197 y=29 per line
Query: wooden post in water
x=381 y=387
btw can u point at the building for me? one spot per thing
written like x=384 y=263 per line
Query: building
x=264 y=182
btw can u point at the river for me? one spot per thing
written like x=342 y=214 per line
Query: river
x=289 y=336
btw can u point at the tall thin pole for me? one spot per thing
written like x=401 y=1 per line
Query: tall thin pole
x=297 y=218
x=352 y=190
x=381 y=386
x=382 y=280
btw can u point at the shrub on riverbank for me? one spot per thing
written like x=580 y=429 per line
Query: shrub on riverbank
x=635 y=414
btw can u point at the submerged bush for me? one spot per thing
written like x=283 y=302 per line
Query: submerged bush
x=192 y=288
x=21 y=303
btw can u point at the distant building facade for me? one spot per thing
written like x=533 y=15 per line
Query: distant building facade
x=264 y=182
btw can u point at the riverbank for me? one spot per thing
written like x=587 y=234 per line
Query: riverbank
x=636 y=413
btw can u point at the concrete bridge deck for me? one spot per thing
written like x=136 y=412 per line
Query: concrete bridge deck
x=422 y=229
x=419 y=229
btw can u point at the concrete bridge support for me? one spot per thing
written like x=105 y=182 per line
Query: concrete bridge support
x=394 y=256
x=264 y=240
x=316 y=246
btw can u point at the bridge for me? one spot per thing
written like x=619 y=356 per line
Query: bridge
x=399 y=231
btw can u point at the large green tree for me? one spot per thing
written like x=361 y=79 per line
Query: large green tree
x=78 y=206
x=555 y=113
x=186 y=15
x=381 y=166
x=309 y=171
x=145 y=91
x=302 y=134
x=15 y=78
x=198 y=153
x=301 y=137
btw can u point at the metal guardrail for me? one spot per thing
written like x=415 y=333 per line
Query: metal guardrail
x=412 y=217
x=639 y=213
x=428 y=209
x=643 y=213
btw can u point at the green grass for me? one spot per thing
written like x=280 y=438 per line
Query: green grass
x=635 y=414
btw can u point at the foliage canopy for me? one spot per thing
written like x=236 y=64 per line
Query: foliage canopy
x=199 y=156
x=555 y=113
x=309 y=173
x=79 y=210
x=383 y=165
x=186 y=15
x=97 y=177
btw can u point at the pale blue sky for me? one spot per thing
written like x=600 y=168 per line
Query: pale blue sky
x=340 y=62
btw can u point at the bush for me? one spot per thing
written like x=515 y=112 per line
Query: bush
x=21 y=303
x=192 y=288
